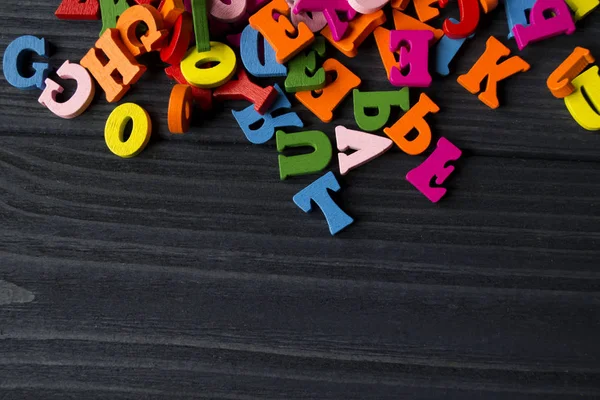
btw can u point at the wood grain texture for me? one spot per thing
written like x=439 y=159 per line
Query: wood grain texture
x=187 y=272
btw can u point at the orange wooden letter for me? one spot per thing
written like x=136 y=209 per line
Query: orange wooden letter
x=179 y=113
x=108 y=57
x=389 y=60
x=400 y=4
x=559 y=82
x=424 y=10
x=404 y=22
x=170 y=10
x=487 y=66
x=358 y=30
x=414 y=119
x=278 y=32
x=152 y=39
x=328 y=98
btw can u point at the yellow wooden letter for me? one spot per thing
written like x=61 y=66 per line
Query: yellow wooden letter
x=577 y=104
x=115 y=127
x=582 y=7
x=214 y=76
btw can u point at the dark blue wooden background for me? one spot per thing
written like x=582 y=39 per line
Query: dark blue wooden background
x=187 y=272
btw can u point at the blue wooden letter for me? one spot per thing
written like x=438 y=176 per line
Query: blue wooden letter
x=515 y=13
x=445 y=51
x=248 y=116
x=13 y=62
x=249 y=53
x=336 y=218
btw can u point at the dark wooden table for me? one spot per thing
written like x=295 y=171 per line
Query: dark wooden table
x=188 y=272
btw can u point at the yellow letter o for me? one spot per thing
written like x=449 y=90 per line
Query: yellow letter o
x=115 y=127
x=209 y=77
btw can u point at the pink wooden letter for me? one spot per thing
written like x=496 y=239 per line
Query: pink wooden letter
x=367 y=145
x=314 y=23
x=227 y=11
x=330 y=9
x=80 y=100
x=367 y=6
x=541 y=28
x=416 y=56
x=435 y=167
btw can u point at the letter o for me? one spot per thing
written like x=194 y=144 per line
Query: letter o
x=115 y=127
x=212 y=77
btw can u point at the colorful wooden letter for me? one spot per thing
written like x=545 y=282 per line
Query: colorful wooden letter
x=114 y=131
x=331 y=95
x=151 y=40
x=209 y=77
x=330 y=9
x=181 y=36
x=382 y=102
x=540 y=27
x=302 y=65
x=12 y=62
x=424 y=10
x=445 y=50
x=367 y=146
x=79 y=101
x=249 y=48
x=578 y=105
x=389 y=58
x=248 y=118
x=435 y=166
x=403 y=22
x=120 y=71
x=317 y=192
x=358 y=30
x=78 y=9
x=278 y=32
x=416 y=59
x=487 y=66
x=314 y=20
x=244 y=89
x=414 y=119
x=228 y=10
x=367 y=6
x=559 y=82
x=202 y=97
x=110 y=11
x=171 y=10
x=516 y=13
x=180 y=109
x=303 y=164
x=469 y=19
x=582 y=8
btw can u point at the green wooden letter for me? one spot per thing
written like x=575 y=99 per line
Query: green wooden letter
x=383 y=102
x=302 y=69
x=303 y=164
x=110 y=11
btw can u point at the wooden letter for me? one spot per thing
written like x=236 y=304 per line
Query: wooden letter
x=209 y=77
x=303 y=164
x=79 y=101
x=12 y=62
x=332 y=94
x=435 y=166
x=577 y=104
x=414 y=119
x=559 y=82
x=317 y=192
x=114 y=131
x=109 y=47
x=278 y=32
x=487 y=66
